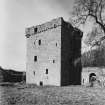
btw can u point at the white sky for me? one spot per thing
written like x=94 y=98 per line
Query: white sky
x=15 y=16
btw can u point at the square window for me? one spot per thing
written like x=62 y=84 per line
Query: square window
x=35 y=58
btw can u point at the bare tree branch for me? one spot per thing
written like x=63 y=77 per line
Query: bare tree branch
x=93 y=8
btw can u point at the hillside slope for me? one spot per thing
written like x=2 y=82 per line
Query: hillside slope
x=11 y=75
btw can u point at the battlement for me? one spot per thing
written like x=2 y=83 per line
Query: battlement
x=43 y=27
x=50 y=25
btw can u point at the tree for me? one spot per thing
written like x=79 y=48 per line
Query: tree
x=94 y=58
x=90 y=8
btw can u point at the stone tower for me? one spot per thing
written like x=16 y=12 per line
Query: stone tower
x=52 y=49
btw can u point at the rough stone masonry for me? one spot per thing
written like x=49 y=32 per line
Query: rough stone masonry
x=52 y=49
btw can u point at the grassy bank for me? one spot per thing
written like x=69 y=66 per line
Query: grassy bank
x=50 y=95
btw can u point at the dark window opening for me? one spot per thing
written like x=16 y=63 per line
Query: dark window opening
x=41 y=83
x=53 y=61
x=34 y=72
x=35 y=30
x=46 y=71
x=39 y=42
x=92 y=79
x=55 y=25
x=35 y=58
x=34 y=43
x=56 y=44
x=83 y=80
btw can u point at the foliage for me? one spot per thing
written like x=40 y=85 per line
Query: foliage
x=93 y=9
x=94 y=58
x=94 y=37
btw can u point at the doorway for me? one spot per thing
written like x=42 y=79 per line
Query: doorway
x=92 y=79
x=41 y=83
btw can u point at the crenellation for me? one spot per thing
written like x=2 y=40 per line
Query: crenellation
x=43 y=27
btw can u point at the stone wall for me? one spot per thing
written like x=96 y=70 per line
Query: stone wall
x=1 y=75
x=86 y=72
x=43 y=27
x=47 y=53
x=71 y=51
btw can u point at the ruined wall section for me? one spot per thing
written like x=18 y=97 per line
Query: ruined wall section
x=89 y=70
x=43 y=54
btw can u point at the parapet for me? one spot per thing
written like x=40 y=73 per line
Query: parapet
x=43 y=27
x=53 y=24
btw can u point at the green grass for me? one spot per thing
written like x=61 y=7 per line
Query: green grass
x=51 y=95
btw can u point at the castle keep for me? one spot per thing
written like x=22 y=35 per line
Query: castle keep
x=52 y=49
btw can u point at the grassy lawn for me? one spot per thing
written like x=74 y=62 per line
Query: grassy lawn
x=50 y=95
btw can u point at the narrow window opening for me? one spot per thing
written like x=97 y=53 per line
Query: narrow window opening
x=56 y=44
x=53 y=61
x=41 y=83
x=83 y=80
x=46 y=71
x=34 y=73
x=35 y=58
x=35 y=30
x=55 y=25
x=39 y=42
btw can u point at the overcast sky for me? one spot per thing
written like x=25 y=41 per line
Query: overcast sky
x=15 y=16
